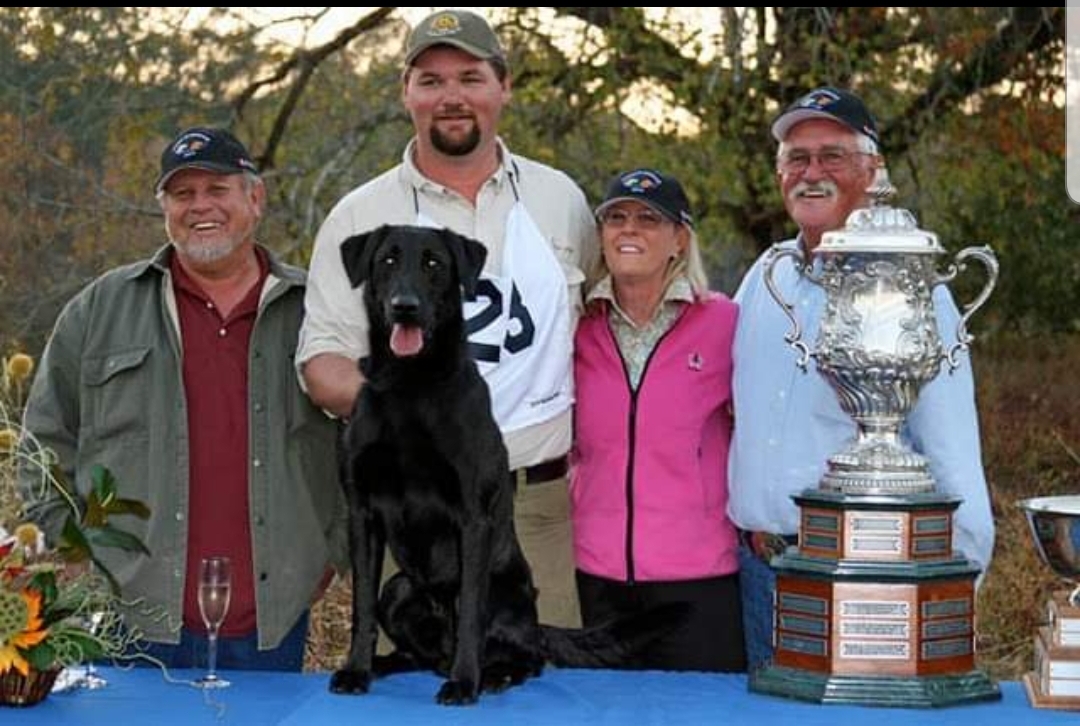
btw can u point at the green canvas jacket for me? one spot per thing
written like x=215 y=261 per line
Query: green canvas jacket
x=109 y=390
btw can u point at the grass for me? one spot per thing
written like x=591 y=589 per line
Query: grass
x=1031 y=438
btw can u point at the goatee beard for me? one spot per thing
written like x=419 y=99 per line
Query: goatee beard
x=449 y=147
x=207 y=253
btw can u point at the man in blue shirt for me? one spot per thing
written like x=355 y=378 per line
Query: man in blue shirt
x=789 y=422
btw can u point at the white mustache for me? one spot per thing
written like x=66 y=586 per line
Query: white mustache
x=824 y=186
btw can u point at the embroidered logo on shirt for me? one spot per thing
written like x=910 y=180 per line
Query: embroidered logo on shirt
x=695 y=362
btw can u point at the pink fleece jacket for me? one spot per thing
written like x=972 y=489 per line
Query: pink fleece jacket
x=649 y=478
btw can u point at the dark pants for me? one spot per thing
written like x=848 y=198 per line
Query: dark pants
x=711 y=637
x=241 y=654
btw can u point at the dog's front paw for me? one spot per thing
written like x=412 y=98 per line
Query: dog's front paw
x=457 y=693
x=350 y=682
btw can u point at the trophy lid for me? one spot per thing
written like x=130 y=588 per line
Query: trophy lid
x=880 y=228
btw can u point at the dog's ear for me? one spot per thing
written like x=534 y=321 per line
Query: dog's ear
x=356 y=252
x=469 y=256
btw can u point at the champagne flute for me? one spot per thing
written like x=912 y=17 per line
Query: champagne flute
x=215 y=585
x=91 y=679
x=92 y=621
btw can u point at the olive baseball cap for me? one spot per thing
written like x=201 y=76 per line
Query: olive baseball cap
x=460 y=28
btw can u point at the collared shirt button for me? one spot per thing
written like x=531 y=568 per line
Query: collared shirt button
x=179 y=516
x=258 y=408
x=256 y=463
x=222 y=332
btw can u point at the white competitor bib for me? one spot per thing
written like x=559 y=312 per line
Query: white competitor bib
x=519 y=327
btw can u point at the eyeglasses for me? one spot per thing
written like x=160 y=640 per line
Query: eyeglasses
x=831 y=158
x=643 y=218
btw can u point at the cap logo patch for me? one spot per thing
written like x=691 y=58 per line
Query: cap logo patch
x=445 y=24
x=821 y=98
x=191 y=144
x=641 y=181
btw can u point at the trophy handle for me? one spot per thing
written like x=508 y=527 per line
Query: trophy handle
x=794 y=336
x=986 y=256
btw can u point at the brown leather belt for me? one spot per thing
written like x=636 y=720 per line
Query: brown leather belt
x=544 y=471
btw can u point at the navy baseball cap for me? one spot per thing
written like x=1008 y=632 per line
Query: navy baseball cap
x=661 y=192
x=203 y=147
x=460 y=28
x=831 y=103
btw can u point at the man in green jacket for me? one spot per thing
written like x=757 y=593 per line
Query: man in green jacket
x=176 y=373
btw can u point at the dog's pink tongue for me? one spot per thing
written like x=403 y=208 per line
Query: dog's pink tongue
x=406 y=340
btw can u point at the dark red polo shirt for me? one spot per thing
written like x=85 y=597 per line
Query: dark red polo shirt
x=216 y=388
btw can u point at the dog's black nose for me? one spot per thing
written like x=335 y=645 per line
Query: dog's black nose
x=405 y=304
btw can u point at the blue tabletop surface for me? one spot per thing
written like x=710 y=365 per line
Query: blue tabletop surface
x=558 y=697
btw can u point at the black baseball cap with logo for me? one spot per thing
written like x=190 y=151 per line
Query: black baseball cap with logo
x=461 y=29
x=831 y=103
x=204 y=147
x=661 y=192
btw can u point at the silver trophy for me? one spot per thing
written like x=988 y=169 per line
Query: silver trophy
x=878 y=344
x=873 y=606
x=1055 y=528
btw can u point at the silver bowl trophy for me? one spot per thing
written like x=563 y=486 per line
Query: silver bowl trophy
x=873 y=606
x=1055 y=527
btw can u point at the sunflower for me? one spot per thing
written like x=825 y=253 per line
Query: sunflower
x=20 y=628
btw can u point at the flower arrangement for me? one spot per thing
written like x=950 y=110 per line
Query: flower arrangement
x=57 y=604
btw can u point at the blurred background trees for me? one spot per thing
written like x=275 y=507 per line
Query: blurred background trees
x=969 y=100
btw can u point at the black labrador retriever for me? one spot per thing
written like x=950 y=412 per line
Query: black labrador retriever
x=426 y=473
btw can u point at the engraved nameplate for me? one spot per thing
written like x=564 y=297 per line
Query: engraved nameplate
x=803 y=604
x=945 y=608
x=827 y=522
x=946 y=628
x=876 y=525
x=946 y=648
x=930 y=545
x=874 y=650
x=820 y=541
x=874 y=629
x=875 y=544
x=797 y=644
x=931 y=525
x=812 y=626
x=874 y=608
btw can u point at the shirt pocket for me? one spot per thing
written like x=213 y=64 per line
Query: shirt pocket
x=118 y=386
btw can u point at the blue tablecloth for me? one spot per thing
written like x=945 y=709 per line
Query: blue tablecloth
x=558 y=698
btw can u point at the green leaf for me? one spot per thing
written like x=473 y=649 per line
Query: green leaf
x=42 y=656
x=73 y=546
x=109 y=536
x=45 y=583
x=128 y=506
x=103 y=484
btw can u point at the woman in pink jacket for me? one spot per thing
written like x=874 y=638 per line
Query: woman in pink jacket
x=652 y=368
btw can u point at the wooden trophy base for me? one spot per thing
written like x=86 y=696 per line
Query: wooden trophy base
x=1055 y=682
x=1038 y=699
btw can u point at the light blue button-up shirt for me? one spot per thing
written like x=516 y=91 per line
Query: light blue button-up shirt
x=789 y=422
